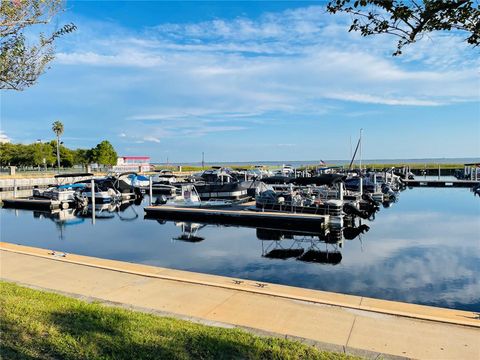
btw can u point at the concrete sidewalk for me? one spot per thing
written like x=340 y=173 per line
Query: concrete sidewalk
x=331 y=321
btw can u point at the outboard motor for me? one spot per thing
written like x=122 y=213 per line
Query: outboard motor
x=351 y=233
x=476 y=190
x=368 y=198
x=81 y=201
x=349 y=209
x=161 y=200
x=387 y=190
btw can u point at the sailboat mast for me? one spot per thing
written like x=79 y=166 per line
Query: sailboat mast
x=360 y=157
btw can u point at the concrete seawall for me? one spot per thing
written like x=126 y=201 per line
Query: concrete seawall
x=344 y=323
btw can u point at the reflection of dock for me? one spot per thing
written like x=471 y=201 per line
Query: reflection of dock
x=238 y=215
x=441 y=183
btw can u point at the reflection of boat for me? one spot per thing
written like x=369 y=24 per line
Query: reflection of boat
x=324 y=257
x=351 y=233
x=102 y=211
x=61 y=218
x=64 y=217
x=189 y=232
x=284 y=253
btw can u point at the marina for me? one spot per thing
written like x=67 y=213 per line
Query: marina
x=413 y=238
x=260 y=180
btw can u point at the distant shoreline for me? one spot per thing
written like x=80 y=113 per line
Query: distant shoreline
x=297 y=163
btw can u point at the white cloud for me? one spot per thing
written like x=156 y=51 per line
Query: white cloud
x=287 y=62
x=4 y=138
x=132 y=57
x=152 y=139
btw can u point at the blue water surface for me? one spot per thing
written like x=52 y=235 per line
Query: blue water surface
x=424 y=249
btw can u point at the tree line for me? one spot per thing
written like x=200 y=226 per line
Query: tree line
x=43 y=154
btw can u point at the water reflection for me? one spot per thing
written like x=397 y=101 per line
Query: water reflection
x=425 y=249
x=189 y=231
x=61 y=218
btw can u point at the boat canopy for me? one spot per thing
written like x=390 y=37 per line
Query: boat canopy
x=323 y=179
x=72 y=186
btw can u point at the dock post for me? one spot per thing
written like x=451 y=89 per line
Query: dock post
x=93 y=200
x=150 y=190
x=438 y=171
x=341 y=191
x=361 y=185
x=14 y=188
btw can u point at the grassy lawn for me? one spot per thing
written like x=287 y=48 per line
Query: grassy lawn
x=36 y=324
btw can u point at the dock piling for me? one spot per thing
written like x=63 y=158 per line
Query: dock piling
x=14 y=188
x=93 y=201
x=150 y=190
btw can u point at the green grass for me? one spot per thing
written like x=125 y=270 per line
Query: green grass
x=36 y=324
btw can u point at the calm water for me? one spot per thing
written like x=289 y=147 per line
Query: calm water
x=424 y=249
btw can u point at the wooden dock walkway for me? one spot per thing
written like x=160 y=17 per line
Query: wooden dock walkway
x=441 y=183
x=238 y=216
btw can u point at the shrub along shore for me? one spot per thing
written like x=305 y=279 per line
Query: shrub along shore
x=39 y=324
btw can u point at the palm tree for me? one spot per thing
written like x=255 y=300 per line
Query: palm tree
x=57 y=128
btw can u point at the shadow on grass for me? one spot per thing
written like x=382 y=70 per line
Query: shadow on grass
x=115 y=335
x=110 y=334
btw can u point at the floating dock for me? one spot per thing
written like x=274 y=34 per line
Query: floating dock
x=34 y=204
x=30 y=203
x=441 y=183
x=239 y=215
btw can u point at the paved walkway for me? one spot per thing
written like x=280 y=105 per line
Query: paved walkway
x=353 y=324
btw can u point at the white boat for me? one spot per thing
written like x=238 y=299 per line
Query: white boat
x=64 y=193
x=286 y=170
x=164 y=177
x=103 y=196
x=189 y=198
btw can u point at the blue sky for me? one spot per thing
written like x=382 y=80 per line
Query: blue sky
x=247 y=81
